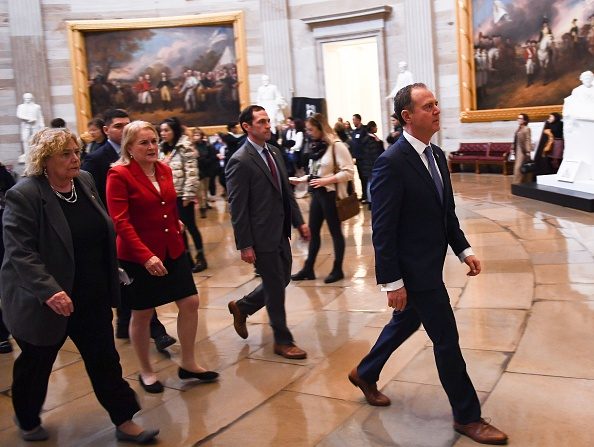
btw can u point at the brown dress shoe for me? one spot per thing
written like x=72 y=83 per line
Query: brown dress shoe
x=238 y=319
x=482 y=432
x=290 y=352
x=372 y=395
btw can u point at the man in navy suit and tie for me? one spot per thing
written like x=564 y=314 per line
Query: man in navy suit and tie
x=414 y=221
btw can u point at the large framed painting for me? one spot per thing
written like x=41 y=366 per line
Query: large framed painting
x=521 y=56
x=192 y=67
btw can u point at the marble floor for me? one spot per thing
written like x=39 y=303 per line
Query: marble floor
x=526 y=329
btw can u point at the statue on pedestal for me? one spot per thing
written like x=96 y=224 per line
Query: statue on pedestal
x=273 y=102
x=31 y=119
x=405 y=77
x=580 y=105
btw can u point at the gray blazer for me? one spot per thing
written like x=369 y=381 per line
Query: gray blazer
x=39 y=259
x=261 y=213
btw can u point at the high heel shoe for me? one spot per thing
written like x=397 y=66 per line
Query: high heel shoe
x=205 y=376
x=144 y=437
x=333 y=277
x=303 y=275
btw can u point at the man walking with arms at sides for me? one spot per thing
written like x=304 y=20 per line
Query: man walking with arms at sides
x=97 y=164
x=262 y=209
x=414 y=221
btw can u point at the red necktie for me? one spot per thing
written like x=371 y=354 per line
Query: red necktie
x=271 y=166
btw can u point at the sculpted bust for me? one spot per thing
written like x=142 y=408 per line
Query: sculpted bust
x=580 y=104
x=271 y=99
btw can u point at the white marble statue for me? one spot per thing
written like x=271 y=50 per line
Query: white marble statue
x=580 y=104
x=405 y=77
x=31 y=119
x=273 y=102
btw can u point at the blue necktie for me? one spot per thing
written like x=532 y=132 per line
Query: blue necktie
x=434 y=173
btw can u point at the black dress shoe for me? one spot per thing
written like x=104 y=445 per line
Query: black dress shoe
x=144 y=437
x=205 y=376
x=122 y=332
x=303 y=275
x=153 y=388
x=162 y=342
x=333 y=277
x=5 y=347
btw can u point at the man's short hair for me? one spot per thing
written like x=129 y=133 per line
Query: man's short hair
x=356 y=115
x=231 y=125
x=403 y=99
x=57 y=123
x=247 y=115
x=110 y=114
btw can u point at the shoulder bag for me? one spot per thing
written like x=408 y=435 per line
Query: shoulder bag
x=349 y=206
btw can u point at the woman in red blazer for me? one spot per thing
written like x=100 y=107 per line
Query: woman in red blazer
x=142 y=203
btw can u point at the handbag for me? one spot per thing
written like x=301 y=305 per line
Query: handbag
x=349 y=206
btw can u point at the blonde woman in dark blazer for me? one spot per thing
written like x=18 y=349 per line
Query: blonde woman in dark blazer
x=522 y=147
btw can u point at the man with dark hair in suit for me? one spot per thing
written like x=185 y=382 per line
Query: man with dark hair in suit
x=98 y=163
x=262 y=208
x=414 y=221
x=357 y=144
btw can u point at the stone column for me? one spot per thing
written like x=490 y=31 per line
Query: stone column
x=278 y=64
x=29 y=58
x=419 y=41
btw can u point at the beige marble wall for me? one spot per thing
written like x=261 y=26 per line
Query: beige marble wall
x=301 y=41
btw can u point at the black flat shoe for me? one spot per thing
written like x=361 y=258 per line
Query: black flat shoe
x=333 y=277
x=144 y=437
x=303 y=275
x=206 y=376
x=153 y=388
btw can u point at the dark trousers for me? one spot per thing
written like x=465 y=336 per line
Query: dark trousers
x=188 y=217
x=432 y=308
x=4 y=334
x=90 y=329
x=123 y=323
x=275 y=270
x=323 y=207
x=363 y=186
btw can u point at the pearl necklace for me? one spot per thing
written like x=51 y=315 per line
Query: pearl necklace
x=73 y=196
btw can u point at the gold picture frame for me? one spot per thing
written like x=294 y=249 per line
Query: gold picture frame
x=469 y=111
x=236 y=86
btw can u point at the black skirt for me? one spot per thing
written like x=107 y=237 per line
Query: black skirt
x=147 y=291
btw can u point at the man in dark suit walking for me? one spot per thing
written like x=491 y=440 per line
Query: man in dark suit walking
x=414 y=221
x=98 y=163
x=262 y=210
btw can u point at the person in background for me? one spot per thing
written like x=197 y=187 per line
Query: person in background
x=358 y=145
x=554 y=146
x=180 y=155
x=340 y=131
x=60 y=279
x=331 y=168
x=374 y=147
x=143 y=203
x=396 y=130
x=6 y=182
x=57 y=123
x=522 y=147
x=208 y=167
x=95 y=130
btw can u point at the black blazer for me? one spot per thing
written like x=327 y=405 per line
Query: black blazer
x=39 y=259
x=98 y=163
x=261 y=214
x=411 y=228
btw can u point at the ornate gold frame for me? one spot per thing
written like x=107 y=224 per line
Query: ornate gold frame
x=76 y=42
x=468 y=111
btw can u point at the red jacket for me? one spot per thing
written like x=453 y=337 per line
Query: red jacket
x=146 y=221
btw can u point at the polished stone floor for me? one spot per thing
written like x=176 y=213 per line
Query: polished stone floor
x=526 y=328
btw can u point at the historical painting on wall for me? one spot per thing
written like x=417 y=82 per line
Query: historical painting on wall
x=526 y=54
x=156 y=72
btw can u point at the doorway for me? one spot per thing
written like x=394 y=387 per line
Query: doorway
x=351 y=79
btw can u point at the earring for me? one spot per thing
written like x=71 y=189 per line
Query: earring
x=45 y=172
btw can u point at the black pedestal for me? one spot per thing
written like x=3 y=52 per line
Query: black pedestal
x=559 y=196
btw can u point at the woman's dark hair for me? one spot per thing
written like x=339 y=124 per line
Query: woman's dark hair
x=525 y=118
x=403 y=100
x=557 y=116
x=299 y=125
x=98 y=123
x=371 y=124
x=175 y=125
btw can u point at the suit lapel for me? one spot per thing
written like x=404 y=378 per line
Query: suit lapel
x=141 y=177
x=56 y=216
x=253 y=152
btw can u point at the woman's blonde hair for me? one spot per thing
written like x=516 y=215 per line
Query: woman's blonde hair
x=45 y=143
x=129 y=136
x=320 y=122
